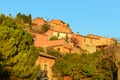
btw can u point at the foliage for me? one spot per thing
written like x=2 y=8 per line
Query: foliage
x=2 y=18
x=75 y=41
x=18 y=55
x=54 y=38
x=45 y=28
x=22 y=18
x=86 y=66
x=53 y=52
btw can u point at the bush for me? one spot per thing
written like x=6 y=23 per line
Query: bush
x=86 y=66
x=53 y=52
x=45 y=28
x=54 y=38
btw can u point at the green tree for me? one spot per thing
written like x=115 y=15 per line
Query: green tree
x=2 y=18
x=8 y=21
x=18 y=55
x=22 y=18
x=24 y=21
x=96 y=66
x=53 y=52
x=45 y=28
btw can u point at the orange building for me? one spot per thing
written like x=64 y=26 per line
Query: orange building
x=46 y=62
x=41 y=40
x=77 y=39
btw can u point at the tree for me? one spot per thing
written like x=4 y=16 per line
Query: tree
x=2 y=18
x=45 y=28
x=18 y=54
x=96 y=66
x=22 y=18
x=8 y=21
x=75 y=41
x=53 y=52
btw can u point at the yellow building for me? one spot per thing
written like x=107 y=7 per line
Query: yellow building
x=100 y=41
x=89 y=44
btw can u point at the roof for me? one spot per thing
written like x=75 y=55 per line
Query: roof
x=42 y=41
x=93 y=36
x=68 y=45
x=96 y=36
x=46 y=55
x=55 y=43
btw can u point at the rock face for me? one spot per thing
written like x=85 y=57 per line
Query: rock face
x=37 y=24
x=56 y=25
x=59 y=26
x=38 y=21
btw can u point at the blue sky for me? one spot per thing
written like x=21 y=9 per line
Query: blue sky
x=100 y=17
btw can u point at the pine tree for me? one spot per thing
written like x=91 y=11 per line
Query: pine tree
x=18 y=55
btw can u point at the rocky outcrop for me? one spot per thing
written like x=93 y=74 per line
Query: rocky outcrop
x=60 y=26
x=55 y=25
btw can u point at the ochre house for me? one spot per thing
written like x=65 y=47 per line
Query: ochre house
x=46 y=62
x=41 y=40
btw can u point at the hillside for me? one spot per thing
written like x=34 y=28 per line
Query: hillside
x=24 y=41
x=56 y=25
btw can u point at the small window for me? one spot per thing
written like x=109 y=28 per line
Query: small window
x=58 y=34
x=84 y=39
x=45 y=67
x=58 y=49
x=91 y=40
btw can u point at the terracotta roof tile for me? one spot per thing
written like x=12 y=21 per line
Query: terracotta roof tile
x=46 y=55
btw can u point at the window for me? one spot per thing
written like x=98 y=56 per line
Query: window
x=45 y=67
x=84 y=39
x=91 y=40
x=58 y=49
x=58 y=34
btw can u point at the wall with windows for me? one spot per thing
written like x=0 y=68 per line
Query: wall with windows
x=46 y=64
x=61 y=35
x=89 y=44
x=105 y=41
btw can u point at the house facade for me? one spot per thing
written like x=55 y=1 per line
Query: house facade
x=89 y=44
x=41 y=40
x=46 y=62
x=62 y=30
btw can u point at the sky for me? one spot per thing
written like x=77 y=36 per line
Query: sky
x=100 y=17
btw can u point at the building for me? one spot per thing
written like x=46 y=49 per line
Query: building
x=102 y=42
x=59 y=29
x=62 y=31
x=89 y=44
x=41 y=40
x=46 y=62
